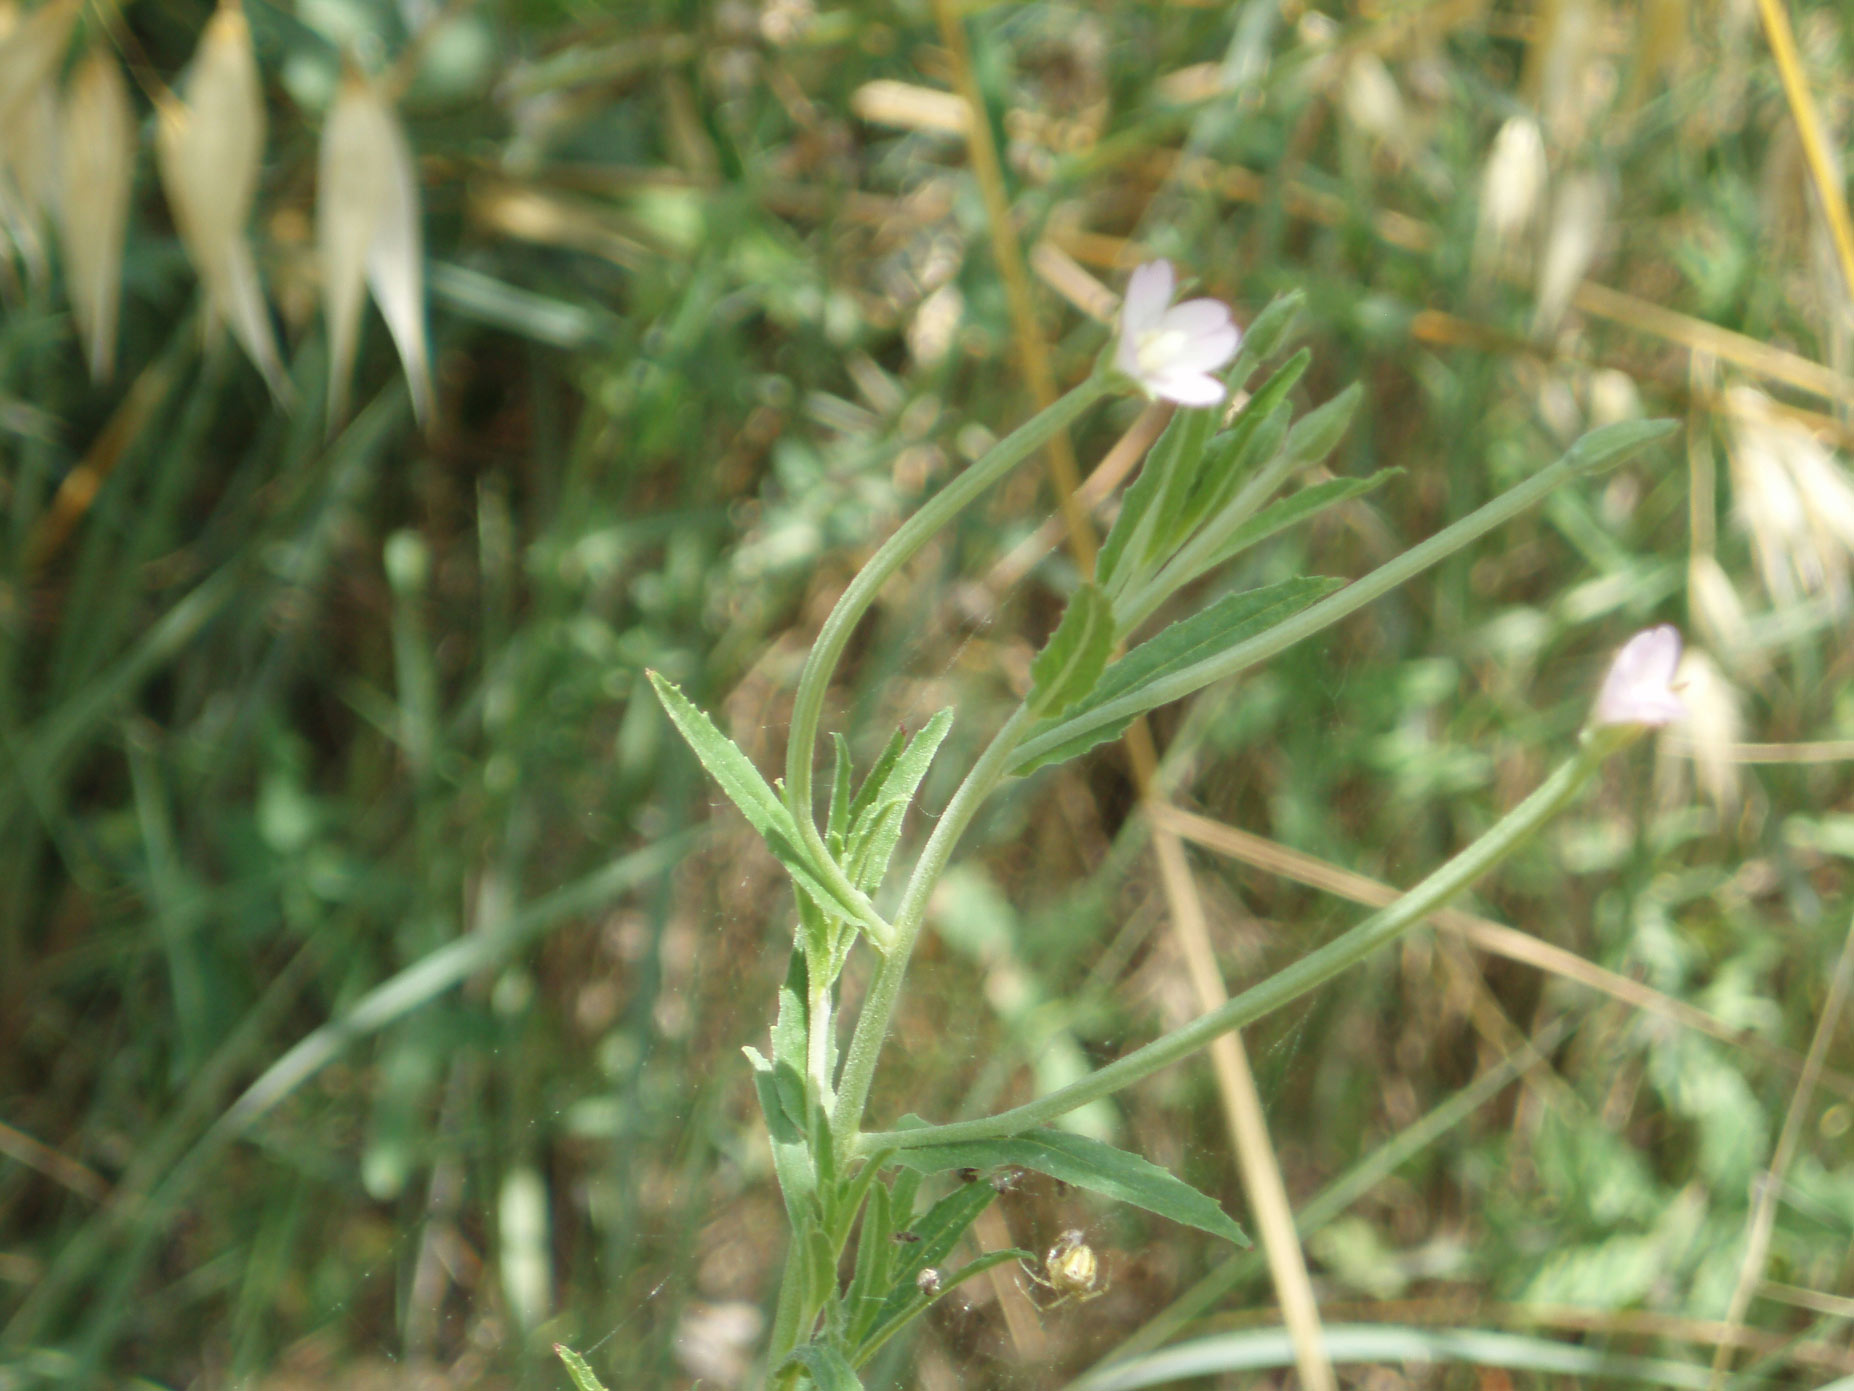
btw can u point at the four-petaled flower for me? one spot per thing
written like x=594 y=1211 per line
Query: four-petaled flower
x=1171 y=350
x=1639 y=687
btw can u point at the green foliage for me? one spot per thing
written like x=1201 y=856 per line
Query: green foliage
x=348 y=867
x=1086 y=1163
x=1073 y=659
x=1126 y=684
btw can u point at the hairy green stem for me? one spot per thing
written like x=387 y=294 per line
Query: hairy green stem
x=1310 y=972
x=872 y=1023
x=909 y=537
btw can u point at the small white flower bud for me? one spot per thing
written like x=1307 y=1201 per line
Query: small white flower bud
x=1639 y=687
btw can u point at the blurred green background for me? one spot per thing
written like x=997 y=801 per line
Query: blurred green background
x=374 y=961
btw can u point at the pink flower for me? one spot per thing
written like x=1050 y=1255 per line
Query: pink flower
x=1639 y=687
x=1171 y=350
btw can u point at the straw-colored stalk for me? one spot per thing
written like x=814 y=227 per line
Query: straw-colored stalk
x=367 y=236
x=97 y=169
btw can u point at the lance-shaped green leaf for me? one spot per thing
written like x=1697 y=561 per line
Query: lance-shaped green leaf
x=875 y=1250
x=746 y=789
x=894 y=1318
x=1175 y=489
x=938 y=1231
x=877 y=777
x=1086 y=1163
x=1254 y=435
x=1076 y=653
x=1315 y=433
x=1291 y=511
x=798 y=1180
x=1232 y=619
x=877 y=829
x=1263 y=337
x=1119 y=561
x=830 y=1370
x=577 y=1369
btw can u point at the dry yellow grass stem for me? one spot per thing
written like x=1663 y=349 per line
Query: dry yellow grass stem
x=1242 y=1105
x=1483 y=933
x=1257 y=1163
x=1007 y=249
x=1822 y=169
x=80 y=486
x=57 y=1166
x=993 y=1233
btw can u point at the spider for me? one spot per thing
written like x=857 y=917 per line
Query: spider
x=1071 y=1270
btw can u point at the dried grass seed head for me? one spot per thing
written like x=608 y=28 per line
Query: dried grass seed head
x=1794 y=499
x=368 y=235
x=97 y=171
x=209 y=146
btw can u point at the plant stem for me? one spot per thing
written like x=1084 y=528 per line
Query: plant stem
x=872 y=1023
x=909 y=537
x=1592 y=452
x=1310 y=972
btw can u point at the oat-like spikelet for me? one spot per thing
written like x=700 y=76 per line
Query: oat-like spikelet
x=1793 y=497
x=28 y=192
x=209 y=148
x=97 y=168
x=367 y=234
x=1713 y=724
x=1578 y=217
x=30 y=48
x=1512 y=188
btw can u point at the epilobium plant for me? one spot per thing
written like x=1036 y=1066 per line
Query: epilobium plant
x=1206 y=493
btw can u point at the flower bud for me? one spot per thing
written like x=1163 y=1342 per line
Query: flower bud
x=97 y=168
x=367 y=232
x=1639 y=687
x=209 y=149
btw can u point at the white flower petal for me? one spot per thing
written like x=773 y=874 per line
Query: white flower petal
x=1639 y=686
x=1206 y=352
x=1197 y=317
x=1149 y=290
x=1187 y=388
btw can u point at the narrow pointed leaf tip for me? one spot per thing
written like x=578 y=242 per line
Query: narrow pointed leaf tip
x=367 y=233
x=1086 y=1163
x=1169 y=349
x=1639 y=687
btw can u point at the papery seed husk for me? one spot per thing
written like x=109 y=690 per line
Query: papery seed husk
x=98 y=167
x=1577 y=222
x=29 y=131
x=368 y=232
x=209 y=148
x=30 y=47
